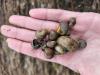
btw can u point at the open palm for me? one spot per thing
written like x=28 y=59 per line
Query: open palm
x=85 y=61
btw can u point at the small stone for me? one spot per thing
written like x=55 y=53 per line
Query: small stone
x=49 y=53
x=60 y=49
x=51 y=44
x=72 y=22
x=53 y=35
x=40 y=34
x=82 y=43
x=67 y=43
x=36 y=44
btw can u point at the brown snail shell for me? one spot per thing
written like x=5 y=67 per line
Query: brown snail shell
x=49 y=53
x=51 y=44
x=53 y=35
x=36 y=44
x=40 y=34
x=59 y=49
x=67 y=43
x=63 y=28
x=81 y=43
x=72 y=22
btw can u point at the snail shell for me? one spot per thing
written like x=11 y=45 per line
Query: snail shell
x=81 y=43
x=49 y=53
x=67 y=43
x=63 y=28
x=53 y=35
x=36 y=44
x=40 y=34
x=72 y=22
x=51 y=44
x=60 y=50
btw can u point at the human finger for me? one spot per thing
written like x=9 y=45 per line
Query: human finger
x=18 y=33
x=31 y=23
x=83 y=20
x=52 y=14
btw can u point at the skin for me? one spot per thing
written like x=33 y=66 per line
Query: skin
x=85 y=61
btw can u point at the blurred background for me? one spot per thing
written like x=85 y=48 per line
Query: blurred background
x=13 y=63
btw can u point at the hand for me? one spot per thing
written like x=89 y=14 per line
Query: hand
x=86 y=61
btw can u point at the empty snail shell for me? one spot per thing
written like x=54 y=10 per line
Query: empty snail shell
x=72 y=22
x=40 y=34
x=53 y=35
x=82 y=43
x=49 y=53
x=63 y=28
x=60 y=50
x=51 y=44
x=67 y=43
x=36 y=44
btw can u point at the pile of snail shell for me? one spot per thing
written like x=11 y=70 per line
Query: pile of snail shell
x=57 y=42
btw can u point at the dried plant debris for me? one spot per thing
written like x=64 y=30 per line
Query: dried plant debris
x=57 y=42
